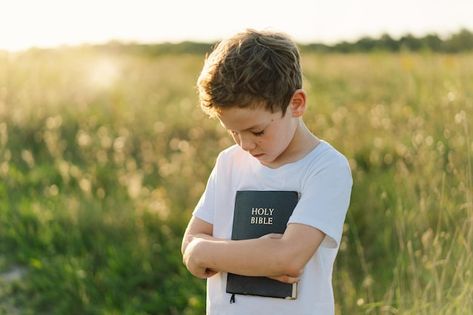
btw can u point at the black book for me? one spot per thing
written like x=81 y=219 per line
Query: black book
x=258 y=213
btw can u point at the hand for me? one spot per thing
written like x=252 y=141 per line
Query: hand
x=193 y=263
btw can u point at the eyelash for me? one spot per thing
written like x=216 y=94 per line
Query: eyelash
x=256 y=134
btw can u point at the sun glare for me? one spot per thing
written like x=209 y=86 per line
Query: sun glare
x=103 y=73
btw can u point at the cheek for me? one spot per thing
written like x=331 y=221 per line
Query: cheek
x=278 y=140
x=267 y=143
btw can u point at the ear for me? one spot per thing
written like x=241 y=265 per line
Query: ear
x=298 y=103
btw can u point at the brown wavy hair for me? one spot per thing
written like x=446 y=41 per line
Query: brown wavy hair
x=252 y=68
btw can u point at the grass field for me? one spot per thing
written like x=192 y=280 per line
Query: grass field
x=103 y=156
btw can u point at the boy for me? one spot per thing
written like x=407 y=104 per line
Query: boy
x=252 y=83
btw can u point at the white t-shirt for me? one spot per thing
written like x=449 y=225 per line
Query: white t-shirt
x=324 y=181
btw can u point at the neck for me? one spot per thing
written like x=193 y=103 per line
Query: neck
x=303 y=142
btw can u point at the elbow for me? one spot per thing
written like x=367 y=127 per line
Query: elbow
x=292 y=260
x=290 y=264
x=292 y=268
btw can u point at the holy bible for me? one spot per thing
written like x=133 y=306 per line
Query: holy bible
x=258 y=213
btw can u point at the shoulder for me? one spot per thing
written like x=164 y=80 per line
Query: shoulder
x=325 y=154
x=231 y=161
x=325 y=159
x=231 y=164
x=230 y=151
x=231 y=154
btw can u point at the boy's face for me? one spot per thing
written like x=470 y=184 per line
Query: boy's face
x=266 y=136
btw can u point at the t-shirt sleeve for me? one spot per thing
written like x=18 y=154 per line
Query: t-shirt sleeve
x=324 y=201
x=205 y=208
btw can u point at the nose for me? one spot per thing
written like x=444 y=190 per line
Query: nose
x=246 y=143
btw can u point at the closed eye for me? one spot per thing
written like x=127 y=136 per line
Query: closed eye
x=259 y=133
x=255 y=133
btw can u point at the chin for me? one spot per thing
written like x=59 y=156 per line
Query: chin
x=266 y=160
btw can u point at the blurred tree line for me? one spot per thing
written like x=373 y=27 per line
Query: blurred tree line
x=457 y=42
x=454 y=43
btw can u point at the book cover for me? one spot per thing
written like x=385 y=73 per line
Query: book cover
x=258 y=213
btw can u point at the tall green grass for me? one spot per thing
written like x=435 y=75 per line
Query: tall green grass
x=103 y=156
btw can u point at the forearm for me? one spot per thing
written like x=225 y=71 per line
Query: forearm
x=256 y=257
x=266 y=256
x=196 y=228
x=188 y=238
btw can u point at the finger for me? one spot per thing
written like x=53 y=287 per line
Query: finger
x=209 y=273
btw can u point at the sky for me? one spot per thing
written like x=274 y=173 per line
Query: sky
x=50 y=23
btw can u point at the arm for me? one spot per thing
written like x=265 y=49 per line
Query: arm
x=197 y=229
x=264 y=256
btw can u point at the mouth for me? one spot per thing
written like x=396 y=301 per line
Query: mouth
x=257 y=155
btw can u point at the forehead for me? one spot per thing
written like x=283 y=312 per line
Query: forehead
x=239 y=119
